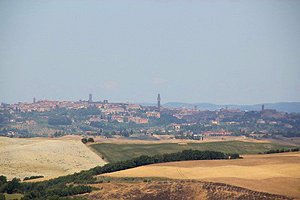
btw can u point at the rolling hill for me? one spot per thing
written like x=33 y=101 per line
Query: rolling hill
x=281 y=106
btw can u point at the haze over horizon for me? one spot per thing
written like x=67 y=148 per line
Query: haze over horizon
x=223 y=52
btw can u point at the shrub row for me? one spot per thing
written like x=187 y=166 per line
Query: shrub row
x=32 y=177
x=58 y=191
x=281 y=150
x=180 y=156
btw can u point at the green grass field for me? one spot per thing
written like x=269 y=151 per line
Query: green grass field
x=118 y=152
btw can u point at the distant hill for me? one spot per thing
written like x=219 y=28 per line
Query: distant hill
x=147 y=104
x=281 y=106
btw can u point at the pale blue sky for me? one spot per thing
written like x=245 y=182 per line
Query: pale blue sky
x=238 y=52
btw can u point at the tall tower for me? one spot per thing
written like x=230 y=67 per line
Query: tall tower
x=262 y=107
x=33 y=99
x=158 y=102
x=90 y=98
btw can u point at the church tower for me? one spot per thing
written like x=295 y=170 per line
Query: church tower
x=158 y=102
x=90 y=98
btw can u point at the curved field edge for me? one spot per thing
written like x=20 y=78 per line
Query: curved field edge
x=273 y=173
x=120 y=152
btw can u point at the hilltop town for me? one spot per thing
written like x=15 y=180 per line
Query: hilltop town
x=102 y=118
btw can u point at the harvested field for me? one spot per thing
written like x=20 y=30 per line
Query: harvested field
x=175 y=190
x=118 y=152
x=273 y=173
x=43 y=156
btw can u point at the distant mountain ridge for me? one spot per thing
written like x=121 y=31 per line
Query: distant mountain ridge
x=281 y=106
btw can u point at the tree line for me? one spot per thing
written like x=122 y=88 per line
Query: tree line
x=65 y=186
x=32 y=177
x=281 y=150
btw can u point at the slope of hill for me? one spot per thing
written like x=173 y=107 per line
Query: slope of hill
x=174 y=190
x=275 y=173
x=43 y=156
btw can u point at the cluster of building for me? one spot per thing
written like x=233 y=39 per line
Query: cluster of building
x=120 y=112
x=190 y=123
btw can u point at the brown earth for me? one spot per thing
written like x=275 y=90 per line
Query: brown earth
x=273 y=173
x=175 y=190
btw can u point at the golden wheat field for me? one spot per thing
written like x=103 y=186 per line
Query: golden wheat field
x=274 y=173
x=44 y=156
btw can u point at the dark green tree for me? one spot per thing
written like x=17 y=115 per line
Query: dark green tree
x=90 y=140
x=84 y=140
x=2 y=197
x=13 y=186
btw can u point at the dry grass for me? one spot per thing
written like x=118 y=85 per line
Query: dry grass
x=275 y=173
x=44 y=156
x=174 y=190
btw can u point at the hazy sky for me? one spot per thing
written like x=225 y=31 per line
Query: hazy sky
x=222 y=52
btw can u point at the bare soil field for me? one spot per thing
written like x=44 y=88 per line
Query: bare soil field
x=273 y=173
x=175 y=190
x=44 y=156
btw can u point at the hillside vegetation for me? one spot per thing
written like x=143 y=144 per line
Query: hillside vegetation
x=118 y=152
